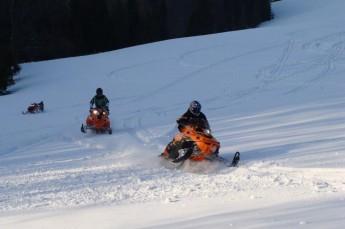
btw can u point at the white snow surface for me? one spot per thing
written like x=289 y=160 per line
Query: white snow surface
x=274 y=93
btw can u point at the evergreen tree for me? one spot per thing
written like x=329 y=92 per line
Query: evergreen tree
x=8 y=68
x=8 y=64
x=201 y=20
x=90 y=25
x=60 y=28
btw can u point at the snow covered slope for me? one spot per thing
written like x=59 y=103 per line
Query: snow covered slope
x=274 y=93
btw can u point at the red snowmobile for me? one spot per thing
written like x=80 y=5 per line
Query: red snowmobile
x=195 y=145
x=98 y=120
x=35 y=108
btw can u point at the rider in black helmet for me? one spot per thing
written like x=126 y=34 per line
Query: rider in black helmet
x=100 y=100
x=193 y=116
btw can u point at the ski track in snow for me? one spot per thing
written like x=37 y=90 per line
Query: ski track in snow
x=287 y=69
x=112 y=184
x=84 y=172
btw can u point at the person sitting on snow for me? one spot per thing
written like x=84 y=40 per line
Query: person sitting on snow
x=100 y=100
x=194 y=117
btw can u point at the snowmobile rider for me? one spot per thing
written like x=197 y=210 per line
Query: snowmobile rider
x=194 y=117
x=100 y=100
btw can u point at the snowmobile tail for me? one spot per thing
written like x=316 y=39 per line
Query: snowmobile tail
x=82 y=128
x=233 y=163
x=235 y=160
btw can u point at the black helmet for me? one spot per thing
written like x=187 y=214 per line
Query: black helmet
x=99 y=91
x=195 y=107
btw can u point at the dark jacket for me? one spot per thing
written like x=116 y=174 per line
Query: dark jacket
x=100 y=101
x=198 y=121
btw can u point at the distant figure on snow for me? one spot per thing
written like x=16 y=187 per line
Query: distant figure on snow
x=35 y=108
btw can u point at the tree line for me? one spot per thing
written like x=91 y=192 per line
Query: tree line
x=8 y=62
x=34 y=30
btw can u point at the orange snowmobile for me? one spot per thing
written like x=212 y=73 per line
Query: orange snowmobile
x=98 y=120
x=195 y=145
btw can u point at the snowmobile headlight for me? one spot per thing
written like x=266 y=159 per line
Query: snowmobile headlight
x=95 y=112
x=207 y=131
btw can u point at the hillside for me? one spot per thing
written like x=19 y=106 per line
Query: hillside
x=273 y=93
